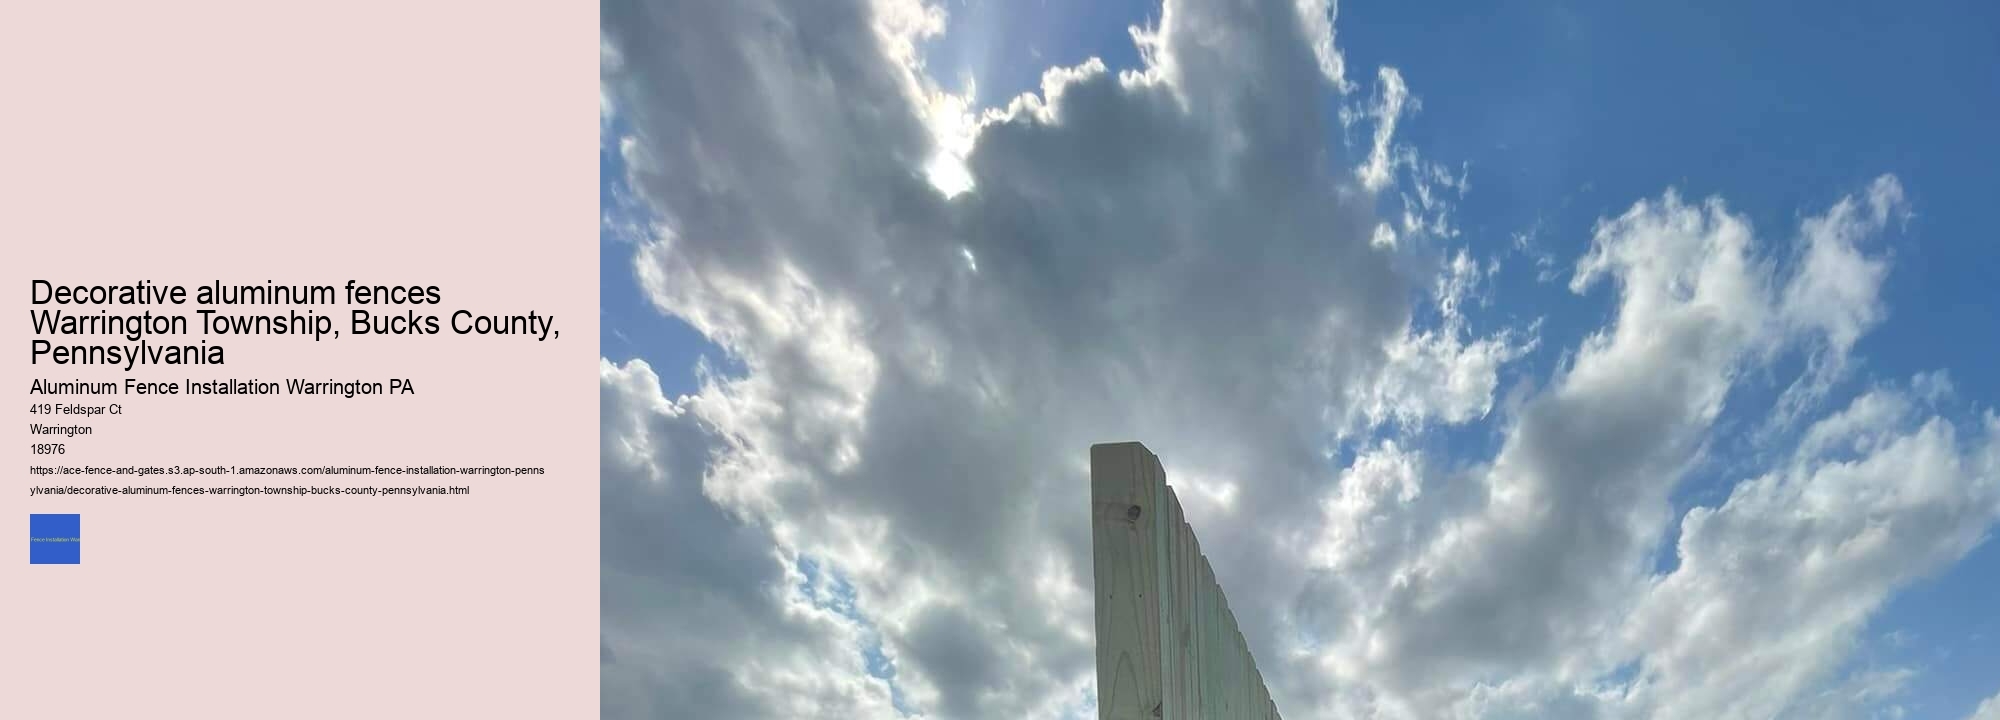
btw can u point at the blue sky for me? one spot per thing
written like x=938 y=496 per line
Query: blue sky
x=1557 y=115
x=1566 y=111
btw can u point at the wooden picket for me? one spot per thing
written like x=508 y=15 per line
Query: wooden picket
x=1168 y=647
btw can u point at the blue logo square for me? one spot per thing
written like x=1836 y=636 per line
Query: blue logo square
x=55 y=539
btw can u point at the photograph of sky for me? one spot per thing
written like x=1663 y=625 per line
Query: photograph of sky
x=1541 y=359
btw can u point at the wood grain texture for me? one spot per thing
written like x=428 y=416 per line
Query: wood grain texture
x=1168 y=647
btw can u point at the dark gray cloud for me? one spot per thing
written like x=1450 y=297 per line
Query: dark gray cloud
x=936 y=367
x=693 y=597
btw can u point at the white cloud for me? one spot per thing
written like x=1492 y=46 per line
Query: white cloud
x=1181 y=253
x=1441 y=372
x=1836 y=290
x=1774 y=585
x=701 y=615
x=1533 y=552
x=1375 y=173
x=1316 y=17
x=1988 y=710
x=915 y=422
x=1427 y=191
x=1520 y=585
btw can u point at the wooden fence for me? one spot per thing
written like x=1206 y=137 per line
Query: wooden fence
x=1167 y=645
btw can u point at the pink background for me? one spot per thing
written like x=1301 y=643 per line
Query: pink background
x=448 y=144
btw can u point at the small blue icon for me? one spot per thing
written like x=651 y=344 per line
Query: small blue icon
x=55 y=539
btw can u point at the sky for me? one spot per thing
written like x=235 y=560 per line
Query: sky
x=1535 y=359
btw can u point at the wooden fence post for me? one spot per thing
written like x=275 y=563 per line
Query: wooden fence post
x=1168 y=647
